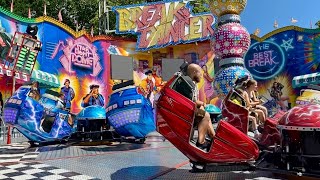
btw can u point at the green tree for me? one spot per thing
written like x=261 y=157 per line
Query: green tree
x=200 y=6
x=318 y=24
x=80 y=12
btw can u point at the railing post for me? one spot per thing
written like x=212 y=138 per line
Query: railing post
x=9 y=135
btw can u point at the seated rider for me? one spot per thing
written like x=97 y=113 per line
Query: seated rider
x=253 y=95
x=248 y=88
x=202 y=118
x=237 y=100
x=61 y=105
x=48 y=120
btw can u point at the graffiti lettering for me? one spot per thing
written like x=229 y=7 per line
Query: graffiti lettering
x=262 y=59
x=81 y=61
x=162 y=24
x=82 y=56
x=79 y=53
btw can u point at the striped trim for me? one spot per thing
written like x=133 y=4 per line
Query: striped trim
x=306 y=80
x=280 y=30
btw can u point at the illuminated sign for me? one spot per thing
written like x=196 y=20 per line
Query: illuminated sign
x=264 y=60
x=163 y=23
x=79 y=53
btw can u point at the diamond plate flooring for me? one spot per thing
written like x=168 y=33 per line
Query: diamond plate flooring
x=118 y=161
x=185 y=174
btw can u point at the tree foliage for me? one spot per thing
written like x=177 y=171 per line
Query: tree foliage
x=81 y=12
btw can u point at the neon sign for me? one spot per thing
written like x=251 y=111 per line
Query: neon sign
x=163 y=23
x=264 y=60
x=79 y=53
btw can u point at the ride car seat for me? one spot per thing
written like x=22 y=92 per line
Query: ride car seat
x=185 y=86
x=237 y=115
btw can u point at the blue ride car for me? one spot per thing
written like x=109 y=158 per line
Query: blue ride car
x=38 y=121
x=130 y=113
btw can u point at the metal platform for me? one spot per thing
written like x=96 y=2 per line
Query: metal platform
x=156 y=159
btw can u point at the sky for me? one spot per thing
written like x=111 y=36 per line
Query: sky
x=263 y=13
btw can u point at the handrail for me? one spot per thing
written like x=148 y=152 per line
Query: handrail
x=4 y=131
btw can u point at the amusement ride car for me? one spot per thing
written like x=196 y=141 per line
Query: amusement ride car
x=289 y=143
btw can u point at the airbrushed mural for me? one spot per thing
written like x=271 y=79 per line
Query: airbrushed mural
x=159 y=26
x=275 y=59
x=80 y=62
x=199 y=53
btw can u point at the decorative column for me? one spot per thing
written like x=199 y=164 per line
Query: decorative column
x=230 y=42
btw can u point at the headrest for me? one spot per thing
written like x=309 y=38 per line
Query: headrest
x=240 y=80
x=184 y=68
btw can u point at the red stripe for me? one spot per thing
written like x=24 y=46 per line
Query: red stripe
x=169 y=170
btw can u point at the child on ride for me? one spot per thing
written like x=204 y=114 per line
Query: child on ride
x=253 y=119
x=259 y=106
x=250 y=87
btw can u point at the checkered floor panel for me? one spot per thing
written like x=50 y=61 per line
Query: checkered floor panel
x=35 y=170
x=17 y=152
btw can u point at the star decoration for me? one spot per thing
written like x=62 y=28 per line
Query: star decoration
x=287 y=44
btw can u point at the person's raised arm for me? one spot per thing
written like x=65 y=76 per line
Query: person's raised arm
x=87 y=98
x=246 y=98
x=255 y=99
x=207 y=76
x=248 y=102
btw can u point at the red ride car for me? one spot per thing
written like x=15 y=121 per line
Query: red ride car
x=175 y=121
